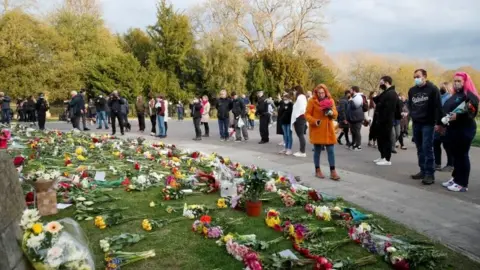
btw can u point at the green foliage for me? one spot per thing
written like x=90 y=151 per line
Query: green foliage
x=138 y=43
x=225 y=67
x=256 y=76
x=120 y=72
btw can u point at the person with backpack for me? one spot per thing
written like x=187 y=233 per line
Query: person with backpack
x=42 y=107
x=357 y=107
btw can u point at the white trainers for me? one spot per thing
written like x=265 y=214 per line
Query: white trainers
x=299 y=154
x=281 y=143
x=357 y=149
x=448 y=183
x=457 y=188
x=284 y=151
x=289 y=153
x=384 y=163
x=152 y=134
x=378 y=160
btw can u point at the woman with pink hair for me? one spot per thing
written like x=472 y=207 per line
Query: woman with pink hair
x=461 y=128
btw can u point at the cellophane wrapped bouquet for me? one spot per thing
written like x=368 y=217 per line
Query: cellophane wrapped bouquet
x=54 y=245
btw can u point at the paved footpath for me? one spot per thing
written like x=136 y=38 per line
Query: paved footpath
x=451 y=218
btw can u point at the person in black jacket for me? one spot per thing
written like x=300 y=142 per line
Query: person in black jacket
x=5 y=108
x=342 y=118
x=196 y=113
x=285 y=109
x=425 y=110
x=223 y=106
x=101 y=105
x=115 y=103
x=75 y=107
x=384 y=115
x=239 y=113
x=461 y=129
x=32 y=116
x=42 y=107
x=262 y=111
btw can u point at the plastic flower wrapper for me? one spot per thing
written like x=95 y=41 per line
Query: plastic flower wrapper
x=55 y=245
x=349 y=264
x=273 y=219
x=120 y=241
x=116 y=259
x=409 y=256
x=194 y=210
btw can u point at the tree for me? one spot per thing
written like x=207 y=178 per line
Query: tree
x=121 y=72
x=225 y=66
x=83 y=7
x=256 y=78
x=172 y=37
x=265 y=24
x=138 y=43
x=8 y=5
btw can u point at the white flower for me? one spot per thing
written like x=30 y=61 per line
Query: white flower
x=54 y=252
x=152 y=204
x=104 y=245
x=391 y=249
x=270 y=186
x=35 y=241
x=85 y=183
x=365 y=227
x=81 y=199
x=76 y=179
x=141 y=179
x=29 y=217
x=46 y=176
x=88 y=203
x=337 y=209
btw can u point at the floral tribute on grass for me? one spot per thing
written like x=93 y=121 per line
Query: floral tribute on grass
x=87 y=167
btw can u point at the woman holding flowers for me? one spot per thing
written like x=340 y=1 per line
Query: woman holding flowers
x=320 y=113
x=461 y=128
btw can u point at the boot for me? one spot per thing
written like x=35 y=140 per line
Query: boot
x=334 y=175
x=319 y=174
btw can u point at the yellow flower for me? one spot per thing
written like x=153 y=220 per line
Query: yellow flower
x=226 y=160
x=103 y=226
x=205 y=230
x=178 y=175
x=37 y=228
x=193 y=169
x=291 y=230
x=152 y=204
x=189 y=162
x=175 y=159
x=227 y=237
x=81 y=158
x=92 y=146
x=79 y=151
x=221 y=203
x=146 y=225
x=116 y=153
x=272 y=221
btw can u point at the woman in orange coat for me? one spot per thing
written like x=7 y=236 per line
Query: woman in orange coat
x=320 y=113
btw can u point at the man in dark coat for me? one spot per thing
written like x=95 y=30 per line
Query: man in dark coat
x=262 y=111
x=76 y=107
x=223 y=106
x=342 y=118
x=42 y=107
x=115 y=103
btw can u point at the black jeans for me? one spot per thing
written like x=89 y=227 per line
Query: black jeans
x=196 y=124
x=120 y=119
x=42 y=117
x=165 y=123
x=141 y=121
x=153 y=120
x=264 y=120
x=76 y=121
x=461 y=162
x=345 y=132
x=384 y=141
x=437 y=151
x=207 y=128
x=299 y=126
x=356 y=135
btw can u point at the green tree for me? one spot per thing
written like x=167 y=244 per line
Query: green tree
x=256 y=76
x=225 y=67
x=137 y=42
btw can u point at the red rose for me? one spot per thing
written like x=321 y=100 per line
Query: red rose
x=137 y=166
x=195 y=155
x=29 y=197
x=18 y=161
x=95 y=140
x=313 y=195
x=126 y=182
x=68 y=161
x=169 y=154
x=84 y=174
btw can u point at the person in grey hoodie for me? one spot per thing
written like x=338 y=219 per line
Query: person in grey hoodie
x=355 y=117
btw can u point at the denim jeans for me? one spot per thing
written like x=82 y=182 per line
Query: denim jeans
x=223 y=127
x=287 y=136
x=6 y=116
x=161 y=125
x=317 y=150
x=102 y=116
x=423 y=137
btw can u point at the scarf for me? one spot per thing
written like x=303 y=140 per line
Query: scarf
x=204 y=102
x=325 y=103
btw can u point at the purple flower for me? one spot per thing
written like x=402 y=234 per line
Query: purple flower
x=214 y=232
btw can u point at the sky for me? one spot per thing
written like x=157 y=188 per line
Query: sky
x=446 y=31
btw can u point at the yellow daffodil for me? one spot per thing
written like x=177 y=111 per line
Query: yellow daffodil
x=37 y=228
x=272 y=221
x=81 y=158
x=221 y=203
x=291 y=230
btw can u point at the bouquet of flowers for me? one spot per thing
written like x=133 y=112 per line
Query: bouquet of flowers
x=114 y=260
x=111 y=219
x=194 y=210
x=150 y=224
x=273 y=219
x=204 y=226
x=55 y=245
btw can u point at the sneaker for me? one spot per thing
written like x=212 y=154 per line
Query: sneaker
x=152 y=134
x=447 y=169
x=284 y=151
x=438 y=167
x=339 y=142
x=299 y=154
x=403 y=147
x=428 y=180
x=262 y=142
x=289 y=153
x=418 y=176
x=448 y=183
x=238 y=140
x=281 y=143
x=457 y=188
x=384 y=163
x=86 y=129
x=357 y=149
x=349 y=147
x=222 y=140
x=378 y=160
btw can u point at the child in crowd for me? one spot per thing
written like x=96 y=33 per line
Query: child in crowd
x=251 y=116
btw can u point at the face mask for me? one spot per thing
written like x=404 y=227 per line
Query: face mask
x=458 y=87
x=286 y=101
x=418 y=81
x=383 y=87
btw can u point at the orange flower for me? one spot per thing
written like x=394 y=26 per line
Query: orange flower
x=206 y=219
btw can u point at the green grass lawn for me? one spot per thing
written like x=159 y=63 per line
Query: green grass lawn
x=177 y=247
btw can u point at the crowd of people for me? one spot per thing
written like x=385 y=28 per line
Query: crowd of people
x=442 y=117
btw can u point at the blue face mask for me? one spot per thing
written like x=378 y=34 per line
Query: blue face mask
x=418 y=81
